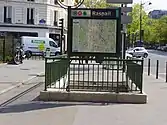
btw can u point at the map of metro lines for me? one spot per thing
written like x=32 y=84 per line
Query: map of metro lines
x=94 y=35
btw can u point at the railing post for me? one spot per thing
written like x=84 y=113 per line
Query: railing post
x=45 y=89
x=148 y=67
x=141 y=80
x=157 y=69
x=117 y=89
x=4 y=50
x=166 y=71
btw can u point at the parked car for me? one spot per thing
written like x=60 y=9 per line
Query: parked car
x=162 y=48
x=138 y=52
x=165 y=49
x=159 y=48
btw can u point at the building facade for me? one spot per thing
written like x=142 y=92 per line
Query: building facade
x=31 y=18
x=156 y=14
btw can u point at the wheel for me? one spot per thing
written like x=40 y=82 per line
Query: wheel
x=145 y=55
x=17 y=60
x=43 y=54
x=28 y=54
x=131 y=54
x=57 y=54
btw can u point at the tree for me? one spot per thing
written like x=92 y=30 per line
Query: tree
x=97 y=4
x=134 y=27
x=158 y=30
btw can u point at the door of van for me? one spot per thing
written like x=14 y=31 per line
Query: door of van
x=53 y=47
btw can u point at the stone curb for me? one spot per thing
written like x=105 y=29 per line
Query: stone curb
x=81 y=96
x=3 y=64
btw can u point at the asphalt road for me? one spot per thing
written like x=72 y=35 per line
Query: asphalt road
x=11 y=75
x=154 y=56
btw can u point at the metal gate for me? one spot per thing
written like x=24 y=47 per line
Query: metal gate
x=109 y=76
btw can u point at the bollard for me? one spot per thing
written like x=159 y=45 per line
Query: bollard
x=148 y=67
x=166 y=71
x=4 y=51
x=157 y=68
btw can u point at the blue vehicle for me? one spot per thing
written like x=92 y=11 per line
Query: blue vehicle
x=139 y=43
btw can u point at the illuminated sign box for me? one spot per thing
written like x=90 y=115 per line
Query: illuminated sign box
x=108 y=13
x=94 y=31
x=96 y=13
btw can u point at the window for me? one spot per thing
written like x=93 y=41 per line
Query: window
x=30 y=15
x=55 y=18
x=7 y=14
x=141 y=49
x=55 y=2
x=136 y=50
x=51 y=43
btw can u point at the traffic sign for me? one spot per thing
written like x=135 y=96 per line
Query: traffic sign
x=126 y=9
x=126 y=19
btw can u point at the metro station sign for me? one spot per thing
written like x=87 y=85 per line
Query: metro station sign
x=110 y=13
x=96 y=13
x=81 y=13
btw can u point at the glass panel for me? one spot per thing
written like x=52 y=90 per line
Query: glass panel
x=92 y=35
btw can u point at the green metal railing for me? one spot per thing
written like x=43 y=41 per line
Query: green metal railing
x=56 y=71
x=62 y=72
x=135 y=72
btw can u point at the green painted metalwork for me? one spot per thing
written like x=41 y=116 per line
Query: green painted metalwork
x=135 y=72
x=55 y=69
x=83 y=23
x=92 y=76
x=92 y=69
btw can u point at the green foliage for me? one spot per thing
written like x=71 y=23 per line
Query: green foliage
x=97 y=4
x=134 y=27
x=155 y=30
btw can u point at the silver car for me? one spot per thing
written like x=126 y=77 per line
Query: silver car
x=138 y=52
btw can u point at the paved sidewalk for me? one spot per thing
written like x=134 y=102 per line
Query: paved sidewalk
x=39 y=113
x=10 y=75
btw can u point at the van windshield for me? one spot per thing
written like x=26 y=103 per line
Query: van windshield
x=53 y=44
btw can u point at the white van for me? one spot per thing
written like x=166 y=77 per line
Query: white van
x=38 y=45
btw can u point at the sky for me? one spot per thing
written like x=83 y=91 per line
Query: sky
x=156 y=4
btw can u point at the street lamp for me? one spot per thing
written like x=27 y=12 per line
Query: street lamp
x=141 y=6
